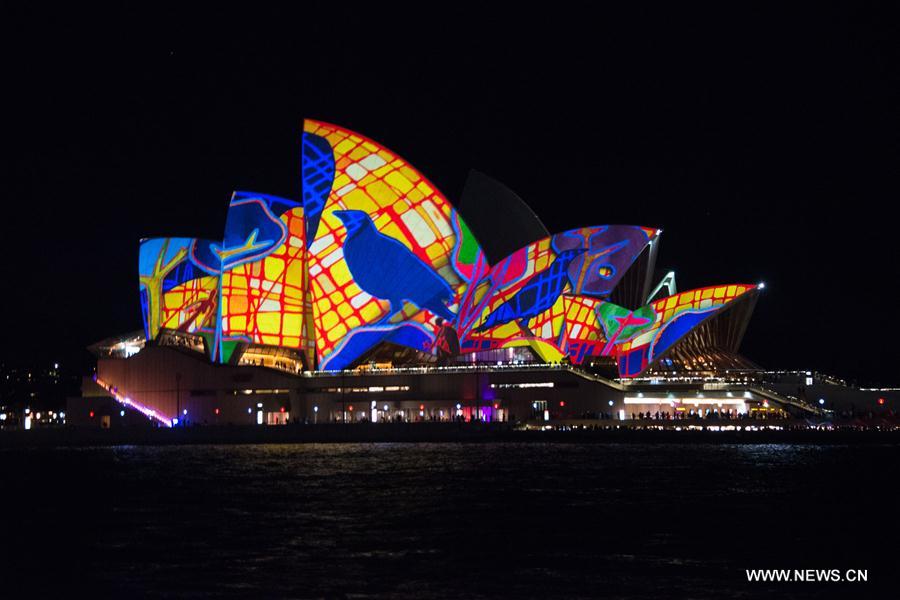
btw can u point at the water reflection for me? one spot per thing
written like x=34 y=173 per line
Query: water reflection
x=437 y=520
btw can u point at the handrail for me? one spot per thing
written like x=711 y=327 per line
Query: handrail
x=796 y=402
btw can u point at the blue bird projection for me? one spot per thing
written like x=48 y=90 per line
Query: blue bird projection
x=373 y=256
x=536 y=296
x=386 y=269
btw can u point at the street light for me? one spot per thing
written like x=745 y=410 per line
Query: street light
x=177 y=395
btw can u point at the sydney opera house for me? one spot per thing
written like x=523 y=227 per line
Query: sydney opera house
x=371 y=297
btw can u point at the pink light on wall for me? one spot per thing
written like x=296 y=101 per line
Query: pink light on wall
x=147 y=412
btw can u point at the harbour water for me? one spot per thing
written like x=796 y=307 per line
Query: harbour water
x=436 y=521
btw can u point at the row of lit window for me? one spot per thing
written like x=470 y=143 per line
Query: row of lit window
x=370 y=389
x=548 y=384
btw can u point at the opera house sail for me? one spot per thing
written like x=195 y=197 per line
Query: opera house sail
x=371 y=264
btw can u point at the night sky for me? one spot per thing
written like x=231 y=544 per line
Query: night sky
x=765 y=145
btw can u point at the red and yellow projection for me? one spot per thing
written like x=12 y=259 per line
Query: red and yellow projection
x=374 y=254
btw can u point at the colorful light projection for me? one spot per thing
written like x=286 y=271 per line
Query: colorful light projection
x=251 y=287
x=176 y=292
x=264 y=284
x=375 y=253
x=389 y=258
x=637 y=337
x=583 y=336
x=526 y=298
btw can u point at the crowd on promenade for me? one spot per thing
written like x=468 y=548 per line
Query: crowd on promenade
x=690 y=415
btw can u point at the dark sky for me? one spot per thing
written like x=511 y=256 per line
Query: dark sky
x=765 y=144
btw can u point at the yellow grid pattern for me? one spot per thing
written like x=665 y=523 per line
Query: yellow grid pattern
x=266 y=300
x=402 y=203
x=581 y=319
x=667 y=308
x=190 y=305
